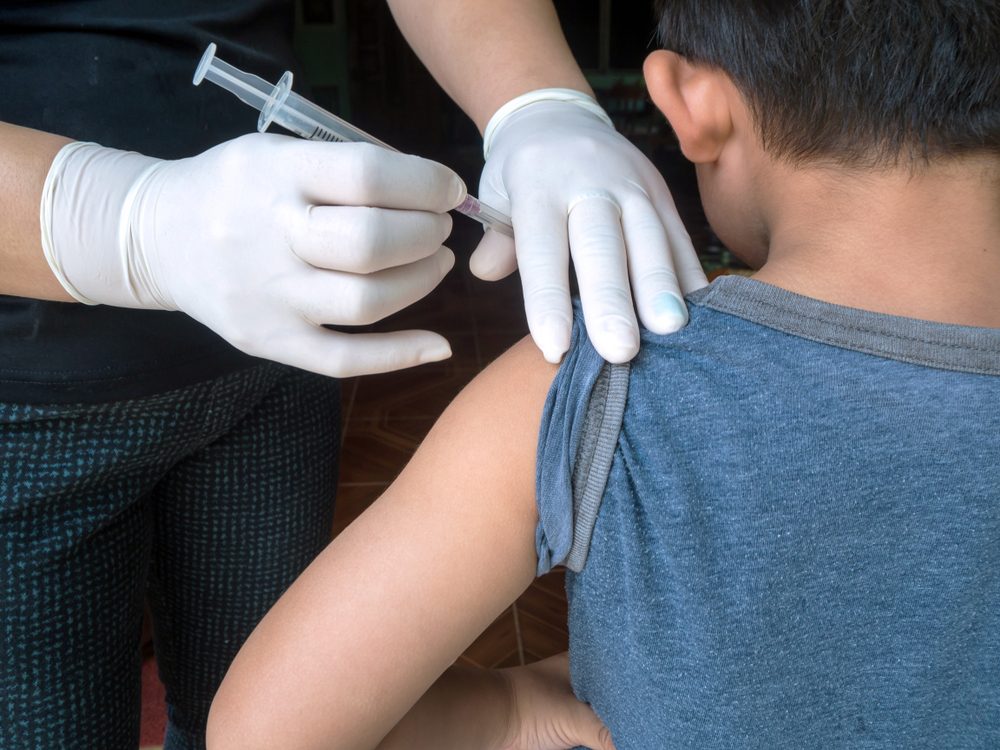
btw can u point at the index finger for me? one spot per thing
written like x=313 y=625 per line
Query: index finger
x=542 y=247
x=599 y=257
x=362 y=174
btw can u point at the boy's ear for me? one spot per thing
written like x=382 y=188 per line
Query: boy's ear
x=694 y=100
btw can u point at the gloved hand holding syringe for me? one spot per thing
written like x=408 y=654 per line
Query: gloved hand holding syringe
x=277 y=103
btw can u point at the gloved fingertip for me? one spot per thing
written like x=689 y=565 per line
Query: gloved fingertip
x=494 y=258
x=446 y=261
x=552 y=337
x=435 y=352
x=616 y=354
x=696 y=282
x=669 y=314
x=459 y=191
x=480 y=266
x=553 y=355
x=616 y=339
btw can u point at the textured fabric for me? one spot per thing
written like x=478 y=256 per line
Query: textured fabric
x=118 y=72
x=799 y=541
x=576 y=443
x=209 y=500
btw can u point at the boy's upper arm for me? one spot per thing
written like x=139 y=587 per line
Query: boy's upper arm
x=408 y=586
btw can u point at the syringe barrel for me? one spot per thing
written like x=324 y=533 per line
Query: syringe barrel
x=304 y=118
x=488 y=217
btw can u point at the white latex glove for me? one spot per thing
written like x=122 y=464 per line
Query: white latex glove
x=263 y=239
x=574 y=186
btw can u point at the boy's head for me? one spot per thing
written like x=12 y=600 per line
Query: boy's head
x=839 y=84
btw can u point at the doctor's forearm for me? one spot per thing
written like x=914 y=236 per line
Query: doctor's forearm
x=486 y=52
x=25 y=157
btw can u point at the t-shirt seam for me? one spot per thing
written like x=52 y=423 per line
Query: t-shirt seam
x=851 y=346
x=579 y=549
x=577 y=546
x=855 y=327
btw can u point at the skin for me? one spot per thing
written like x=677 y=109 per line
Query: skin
x=920 y=242
x=25 y=157
x=353 y=645
x=486 y=53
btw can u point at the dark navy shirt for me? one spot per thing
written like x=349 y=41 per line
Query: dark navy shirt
x=785 y=526
x=118 y=72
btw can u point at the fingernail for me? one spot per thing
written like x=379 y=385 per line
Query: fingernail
x=446 y=261
x=553 y=355
x=458 y=191
x=436 y=352
x=670 y=313
x=620 y=341
x=553 y=338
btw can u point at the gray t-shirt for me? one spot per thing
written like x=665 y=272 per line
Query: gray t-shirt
x=785 y=522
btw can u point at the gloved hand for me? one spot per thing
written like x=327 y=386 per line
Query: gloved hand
x=263 y=239
x=573 y=185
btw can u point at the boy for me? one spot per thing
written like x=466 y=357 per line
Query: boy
x=786 y=518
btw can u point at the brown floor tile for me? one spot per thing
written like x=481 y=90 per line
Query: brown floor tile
x=498 y=306
x=422 y=392
x=492 y=345
x=447 y=314
x=541 y=639
x=352 y=501
x=514 y=660
x=545 y=604
x=554 y=582
x=348 y=388
x=376 y=450
x=464 y=350
x=496 y=646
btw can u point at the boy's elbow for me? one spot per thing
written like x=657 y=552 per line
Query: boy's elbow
x=225 y=730
x=242 y=719
x=235 y=723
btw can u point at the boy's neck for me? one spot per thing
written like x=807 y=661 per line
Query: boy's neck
x=921 y=245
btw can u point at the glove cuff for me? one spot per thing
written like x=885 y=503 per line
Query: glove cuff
x=85 y=217
x=571 y=96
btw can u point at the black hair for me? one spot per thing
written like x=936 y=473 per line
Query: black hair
x=856 y=82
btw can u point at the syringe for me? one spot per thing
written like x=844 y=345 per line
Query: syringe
x=279 y=104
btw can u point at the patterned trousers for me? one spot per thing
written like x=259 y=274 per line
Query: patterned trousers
x=205 y=502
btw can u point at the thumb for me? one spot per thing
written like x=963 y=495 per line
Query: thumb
x=584 y=728
x=494 y=258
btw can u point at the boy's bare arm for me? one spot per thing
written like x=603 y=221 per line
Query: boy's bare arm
x=398 y=596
